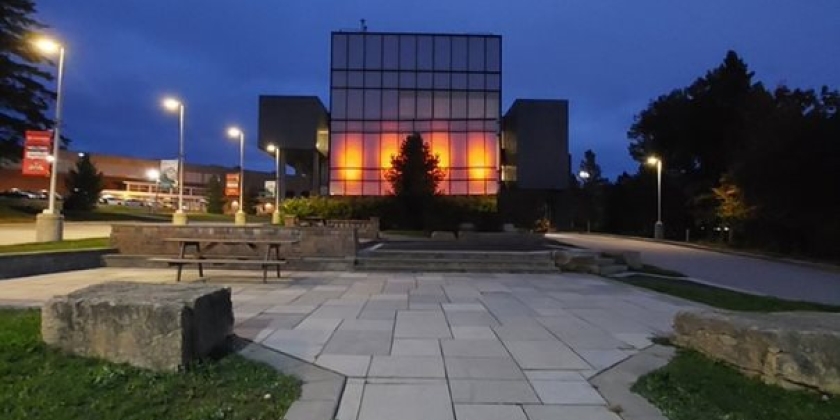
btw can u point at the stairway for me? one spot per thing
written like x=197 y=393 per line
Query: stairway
x=456 y=261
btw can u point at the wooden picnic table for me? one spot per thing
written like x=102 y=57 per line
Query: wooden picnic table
x=197 y=254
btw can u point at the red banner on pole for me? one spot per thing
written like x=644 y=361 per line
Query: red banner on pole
x=232 y=185
x=36 y=152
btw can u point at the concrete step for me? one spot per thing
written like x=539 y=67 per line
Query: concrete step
x=453 y=265
x=609 y=270
x=456 y=269
x=459 y=255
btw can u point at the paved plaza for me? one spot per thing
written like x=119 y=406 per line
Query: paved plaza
x=443 y=346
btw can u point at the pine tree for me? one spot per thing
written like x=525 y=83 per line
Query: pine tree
x=414 y=177
x=23 y=97
x=215 y=195
x=85 y=183
x=414 y=171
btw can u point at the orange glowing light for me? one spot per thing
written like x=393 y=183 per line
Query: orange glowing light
x=353 y=158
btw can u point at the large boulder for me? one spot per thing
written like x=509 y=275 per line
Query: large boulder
x=791 y=349
x=155 y=326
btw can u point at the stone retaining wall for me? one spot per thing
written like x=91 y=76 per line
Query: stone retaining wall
x=35 y=263
x=148 y=239
x=365 y=229
x=792 y=349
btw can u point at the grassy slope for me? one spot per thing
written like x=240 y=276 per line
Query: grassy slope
x=722 y=298
x=693 y=387
x=105 y=213
x=40 y=383
x=56 y=246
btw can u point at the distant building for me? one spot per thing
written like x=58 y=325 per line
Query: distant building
x=535 y=162
x=448 y=88
x=127 y=178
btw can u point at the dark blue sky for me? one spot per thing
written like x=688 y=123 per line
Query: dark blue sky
x=608 y=57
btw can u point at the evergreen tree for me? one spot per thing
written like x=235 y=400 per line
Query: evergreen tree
x=414 y=177
x=23 y=97
x=215 y=195
x=592 y=193
x=85 y=183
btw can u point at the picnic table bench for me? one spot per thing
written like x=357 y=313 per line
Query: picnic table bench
x=197 y=256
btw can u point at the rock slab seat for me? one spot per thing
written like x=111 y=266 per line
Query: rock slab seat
x=791 y=349
x=162 y=327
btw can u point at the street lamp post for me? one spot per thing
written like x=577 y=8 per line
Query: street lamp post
x=235 y=132
x=584 y=176
x=659 y=227
x=275 y=217
x=49 y=225
x=174 y=105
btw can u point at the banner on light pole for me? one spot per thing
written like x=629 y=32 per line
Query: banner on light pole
x=36 y=153
x=270 y=188
x=232 y=185
x=168 y=173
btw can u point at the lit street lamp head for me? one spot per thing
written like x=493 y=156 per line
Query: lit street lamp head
x=47 y=45
x=234 y=132
x=653 y=160
x=583 y=175
x=153 y=174
x=171 y=104
x=271 y=148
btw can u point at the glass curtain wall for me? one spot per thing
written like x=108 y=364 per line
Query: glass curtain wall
x=386 y=86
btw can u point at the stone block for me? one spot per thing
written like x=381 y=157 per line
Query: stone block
x=791 y=349
x=443 y=235
x=162 y=327
x=632 y=259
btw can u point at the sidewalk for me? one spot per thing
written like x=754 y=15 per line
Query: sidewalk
x=434 y=347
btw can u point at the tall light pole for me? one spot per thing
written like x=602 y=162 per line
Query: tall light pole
x=235 y=132
x=49 y=225
x=659 y=227
x=584 y=176
x=275 y=217
x=174 y=105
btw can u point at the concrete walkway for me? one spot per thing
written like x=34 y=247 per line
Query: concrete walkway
x=757 y=275
x=434 y=347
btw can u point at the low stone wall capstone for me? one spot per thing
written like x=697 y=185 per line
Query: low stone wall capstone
x=791 y=349
x=148 y=239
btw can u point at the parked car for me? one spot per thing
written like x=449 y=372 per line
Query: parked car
x=110 y=200
x=133 y=202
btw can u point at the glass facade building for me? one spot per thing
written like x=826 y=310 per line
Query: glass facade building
x=384 y=86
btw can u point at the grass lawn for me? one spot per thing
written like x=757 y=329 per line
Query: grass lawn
x=112 y=213
x=693 y=387
x=722 y=298
x=56 y=246
x=39 y=383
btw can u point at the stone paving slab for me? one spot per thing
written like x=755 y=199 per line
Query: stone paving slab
x=442 y=346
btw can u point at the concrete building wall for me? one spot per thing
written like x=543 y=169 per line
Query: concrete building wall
x=299 y=126
x=536 y=142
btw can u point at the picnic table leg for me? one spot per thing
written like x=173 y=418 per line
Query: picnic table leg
x=277 y=257
x=198 y=255
x=182 y=250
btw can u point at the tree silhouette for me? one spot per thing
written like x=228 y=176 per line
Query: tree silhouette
x=414 y=177
x=215 y=195
x=85 y=183
x=24 y=97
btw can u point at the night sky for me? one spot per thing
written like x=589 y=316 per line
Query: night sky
x=609 y=58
